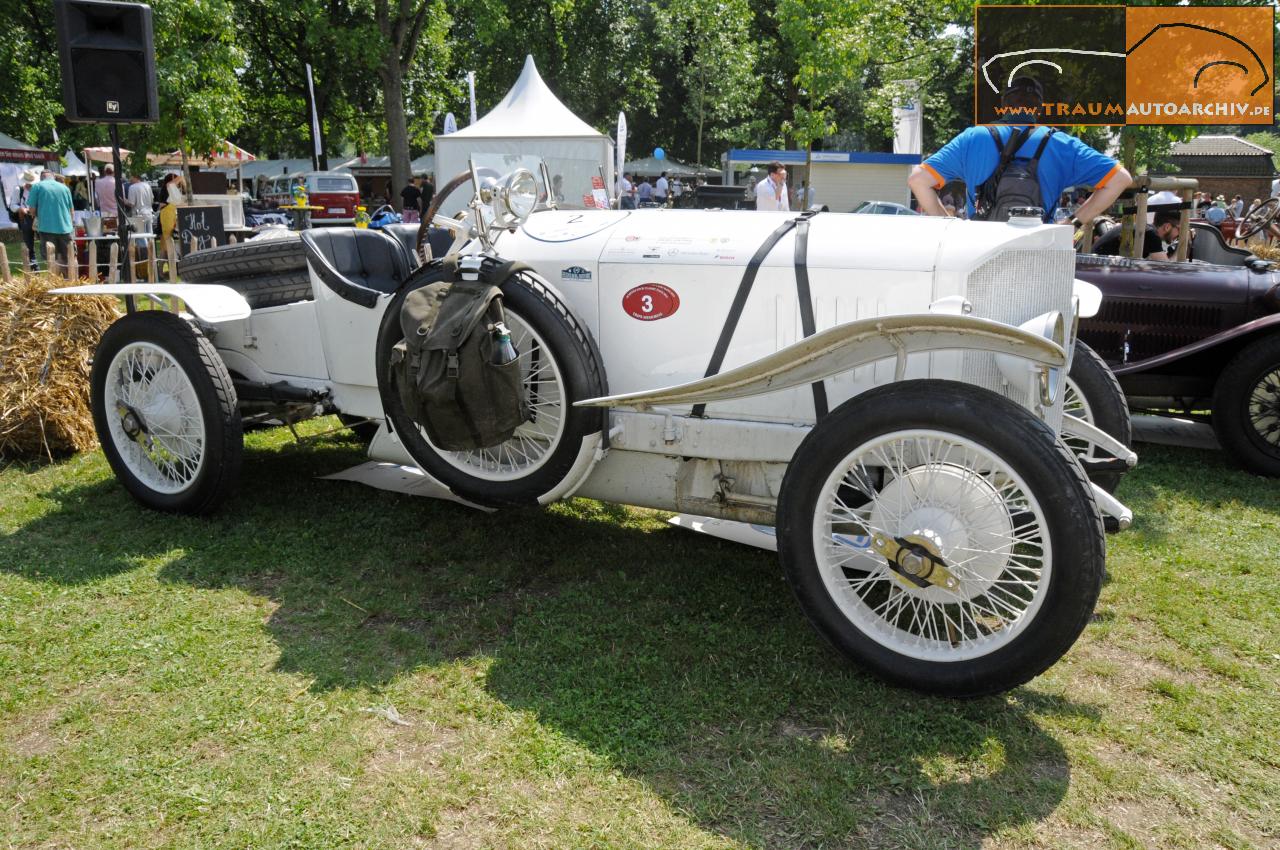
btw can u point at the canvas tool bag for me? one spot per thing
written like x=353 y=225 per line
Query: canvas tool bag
x=444 y=369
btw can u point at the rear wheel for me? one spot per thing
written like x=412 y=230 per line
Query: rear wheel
x=942 y=537
x=1246 y=407
x=165 y=411
x=560 y=366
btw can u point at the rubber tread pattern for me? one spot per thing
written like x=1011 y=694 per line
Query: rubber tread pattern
x=271 y=290
x=247 y=259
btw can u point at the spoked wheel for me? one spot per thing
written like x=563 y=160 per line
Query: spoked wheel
x=1246 y=407
x=1092 y=393
x=165 y=411
x=559 y=365
x=941 y=536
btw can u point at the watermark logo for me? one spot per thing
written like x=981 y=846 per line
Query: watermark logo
x=1116 y=65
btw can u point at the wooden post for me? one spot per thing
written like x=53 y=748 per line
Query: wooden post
x=4 y=263
x=195 y=246
x=26 y=259
x=73 y=263
x=50 y=258
x=93 y=261
x=173 y=263
x=152 y=262
x=231 y=240
x=113 y=267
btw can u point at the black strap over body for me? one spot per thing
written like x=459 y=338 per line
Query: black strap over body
x=744 y=290
x=807 y=324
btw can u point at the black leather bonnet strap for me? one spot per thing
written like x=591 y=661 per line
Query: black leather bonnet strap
x=807 y=324
x=740 y=297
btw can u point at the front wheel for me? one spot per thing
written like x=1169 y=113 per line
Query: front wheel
x=165 y=411
x=1246 y=407
x=942 y=537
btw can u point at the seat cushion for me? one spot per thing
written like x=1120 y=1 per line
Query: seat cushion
x=364 y=257
x=440 y=238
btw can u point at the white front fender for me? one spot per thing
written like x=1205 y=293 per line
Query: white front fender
x=209 y=302
x=847 y=347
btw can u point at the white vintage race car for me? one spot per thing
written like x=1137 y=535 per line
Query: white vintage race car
x=888 y=393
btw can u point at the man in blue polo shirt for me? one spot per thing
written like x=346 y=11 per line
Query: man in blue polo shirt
x=50 y=202
x=1065 y=161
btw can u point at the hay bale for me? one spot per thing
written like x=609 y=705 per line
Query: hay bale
x=46 y=348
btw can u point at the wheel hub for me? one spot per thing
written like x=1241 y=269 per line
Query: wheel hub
x=948 y=518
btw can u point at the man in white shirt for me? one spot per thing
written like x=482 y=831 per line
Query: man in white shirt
x=626 y=200
x=661 y=188
x=138 y=197
x=105 y=189
x=771 y=192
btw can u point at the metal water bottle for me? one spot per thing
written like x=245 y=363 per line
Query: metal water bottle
x=504 y=351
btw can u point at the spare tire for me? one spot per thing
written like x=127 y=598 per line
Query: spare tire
x=561 y=366
x=247 y=259
x=270 y=290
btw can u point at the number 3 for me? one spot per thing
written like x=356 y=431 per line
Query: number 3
x=646 y=303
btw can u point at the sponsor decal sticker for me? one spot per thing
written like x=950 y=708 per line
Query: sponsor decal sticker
x=649 y=302
x=575 y=273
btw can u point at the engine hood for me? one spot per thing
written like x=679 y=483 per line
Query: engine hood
x=730 y=238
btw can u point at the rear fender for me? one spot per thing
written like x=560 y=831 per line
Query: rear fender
x=208 y=302
x=845 y=347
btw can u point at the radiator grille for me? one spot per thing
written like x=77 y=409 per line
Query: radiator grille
x=1012 y=287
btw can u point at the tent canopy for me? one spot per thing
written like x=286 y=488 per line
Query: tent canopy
x=650 y=166
x=530 y=122
x=529 y=109
x=225 y=155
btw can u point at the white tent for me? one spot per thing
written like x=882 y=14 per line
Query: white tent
x=529 y=122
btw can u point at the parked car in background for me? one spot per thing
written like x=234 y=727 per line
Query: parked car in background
x=883 y=208
x=1195 y=336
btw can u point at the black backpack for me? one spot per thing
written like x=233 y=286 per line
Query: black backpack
x=1015 y=181
x=445 y=370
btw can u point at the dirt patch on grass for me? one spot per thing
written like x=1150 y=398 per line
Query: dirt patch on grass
x=35 y=735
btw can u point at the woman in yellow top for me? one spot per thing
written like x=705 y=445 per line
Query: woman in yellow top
x=173 y=191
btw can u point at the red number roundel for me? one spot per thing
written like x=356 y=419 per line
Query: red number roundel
x=649 y=302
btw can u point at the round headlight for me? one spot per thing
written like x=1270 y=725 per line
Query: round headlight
x=520 y=194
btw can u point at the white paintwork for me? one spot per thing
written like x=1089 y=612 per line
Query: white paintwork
x=1090 y=298
x=209 y=302
x=846 y=347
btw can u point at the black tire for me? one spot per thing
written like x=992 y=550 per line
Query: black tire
x=1251 y=437
x=271 y=290
x=219 y=466
x=1030 y=448
x=254 y=258
x=364 y=428
x=530 y=301
x=1108 y=409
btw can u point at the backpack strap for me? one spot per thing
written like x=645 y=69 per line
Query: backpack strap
x=985 y=196
x=1043 y=143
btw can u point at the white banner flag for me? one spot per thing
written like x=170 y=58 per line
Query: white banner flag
x=450 y=124
x=471 y=89
x=908 y=120
x=621 y=151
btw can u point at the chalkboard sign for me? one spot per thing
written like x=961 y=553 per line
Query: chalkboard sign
x=204 y=224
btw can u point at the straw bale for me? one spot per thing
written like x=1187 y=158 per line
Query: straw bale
x=46 y=350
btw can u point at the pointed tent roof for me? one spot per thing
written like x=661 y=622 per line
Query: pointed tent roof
x=529 y=110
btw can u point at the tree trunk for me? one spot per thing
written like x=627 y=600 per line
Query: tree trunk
x=397 y=128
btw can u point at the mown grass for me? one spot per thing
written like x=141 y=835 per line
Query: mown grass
x=586 y=676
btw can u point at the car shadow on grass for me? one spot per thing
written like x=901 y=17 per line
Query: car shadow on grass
x=681 y=660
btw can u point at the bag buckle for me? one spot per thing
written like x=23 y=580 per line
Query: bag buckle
x=451 y=367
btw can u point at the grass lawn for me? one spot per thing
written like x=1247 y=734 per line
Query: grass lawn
x=323 y=665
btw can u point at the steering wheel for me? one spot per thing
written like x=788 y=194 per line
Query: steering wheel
x=1257 y=218
x=431 y=217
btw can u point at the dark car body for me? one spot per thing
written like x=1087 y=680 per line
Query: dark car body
x=1167 y=329
x=1177 y=336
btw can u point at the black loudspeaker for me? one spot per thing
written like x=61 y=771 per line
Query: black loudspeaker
x=108 y=62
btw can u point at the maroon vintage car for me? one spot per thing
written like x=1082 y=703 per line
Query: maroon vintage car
x=1196 y=337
